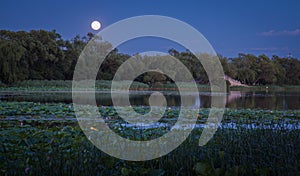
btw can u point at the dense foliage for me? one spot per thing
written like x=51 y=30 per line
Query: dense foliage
x=45 y=139
x=45 y=55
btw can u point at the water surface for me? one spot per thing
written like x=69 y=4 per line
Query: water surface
x=278 y=100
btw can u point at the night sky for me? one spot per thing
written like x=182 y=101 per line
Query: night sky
x=232 y=27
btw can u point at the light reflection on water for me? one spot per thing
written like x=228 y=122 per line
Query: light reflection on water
x=234 y=99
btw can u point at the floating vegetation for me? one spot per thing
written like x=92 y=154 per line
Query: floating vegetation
x=46 y=139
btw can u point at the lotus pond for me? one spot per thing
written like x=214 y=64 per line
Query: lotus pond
x=45 y=139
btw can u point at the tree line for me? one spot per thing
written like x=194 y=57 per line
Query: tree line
x=45 y=55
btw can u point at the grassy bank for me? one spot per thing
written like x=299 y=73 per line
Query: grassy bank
x=60 y=85
x=267 y=88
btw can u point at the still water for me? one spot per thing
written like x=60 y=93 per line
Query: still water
x=234 y=99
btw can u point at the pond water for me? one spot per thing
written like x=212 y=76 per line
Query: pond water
x=235 y=99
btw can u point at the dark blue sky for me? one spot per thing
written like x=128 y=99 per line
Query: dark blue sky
x=270 y=27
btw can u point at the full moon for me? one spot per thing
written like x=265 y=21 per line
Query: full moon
x=96 y=25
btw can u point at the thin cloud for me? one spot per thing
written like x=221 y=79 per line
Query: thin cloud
x=295 y=32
